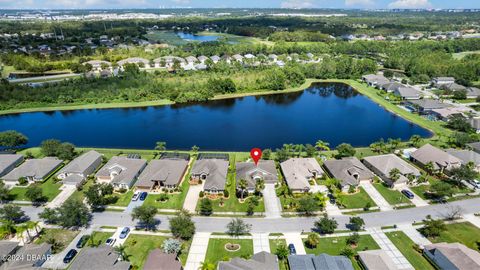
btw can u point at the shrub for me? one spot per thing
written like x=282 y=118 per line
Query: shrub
x=226 y=194
x=22 y=181
x=201 y=194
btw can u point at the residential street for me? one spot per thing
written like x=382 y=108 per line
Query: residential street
x=218 y=224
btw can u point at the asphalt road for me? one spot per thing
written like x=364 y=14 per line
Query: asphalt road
x=293 y=224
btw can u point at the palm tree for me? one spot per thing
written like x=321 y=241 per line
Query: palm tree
x=429 y=167
x=299 y=148
x=25 y=227
x=8 y=226
x=288 y=148
x=161 y=146
x=394 y=174
x=415 y=140
x=195 y=149
x=242 y=185
x=35 y=225
x=322 y=146
x=259 y=186
x=206 y=265
x=20 y=230
x=121 y=251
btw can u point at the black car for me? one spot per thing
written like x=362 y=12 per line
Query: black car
x=408 y=194
x=143 y=196
x=70 y=255
x=292 y=249
x=81 y=242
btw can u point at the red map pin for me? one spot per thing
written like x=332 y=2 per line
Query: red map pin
x=256 y=154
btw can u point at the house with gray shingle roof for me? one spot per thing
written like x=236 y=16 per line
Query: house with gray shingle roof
x=391 y=87
x=265 y=170
x=319 y=262
x=382 y=165
x=213 y=172
x=8 y=162
x=162 y=173
x=452 y=87
x=103 y=257
x=215 y=58
x=299 y=171
x=350 y=171
x=34 y=170
x=158 y=260
x=97 y=64
x=466 y=156
x=121 y=172
x=442 y=80
x=441 y=160
x=202 y=59
x=376 y=260
x=426 y=105
x=7 y=248
x=75 y=172
x=30 y=256
x=375 y=79
x=406 y=93
x=141 y=62
x=447 y=256
x=475 y=146
x=473 y=92
x=259 y=261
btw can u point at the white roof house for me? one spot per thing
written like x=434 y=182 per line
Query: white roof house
x=298 y=171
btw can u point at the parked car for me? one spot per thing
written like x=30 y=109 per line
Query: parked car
x=292 y=249
x=110 y=241
x=81 y=242
x=408 y=194
x=143 y=196
x=124 y=233
x=475 y=183
x=70 y=255
x=135 y=195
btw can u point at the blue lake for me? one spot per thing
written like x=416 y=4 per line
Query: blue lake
x=193 y=37
x=330 y=112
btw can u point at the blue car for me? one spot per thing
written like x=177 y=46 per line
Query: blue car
x=143 y=196
x=124 y=233
x=291 y=249
x=408 y=194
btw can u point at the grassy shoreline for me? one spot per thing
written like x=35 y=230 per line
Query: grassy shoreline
x=437 y=128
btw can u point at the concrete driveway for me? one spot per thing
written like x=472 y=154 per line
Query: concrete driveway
x=376 y=196
x=132 y=205
x=116 y=235
x=66 y=192
x=416 y=199
x=192 y=197
x=296 y=240
x=198 y=250
x=273 y=208
x=260 y=242
x=56 y=261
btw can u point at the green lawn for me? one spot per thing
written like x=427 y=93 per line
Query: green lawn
x=422 y=189
x=78 y=194
x=98 y=238
x=123 y=199
x=139 y=246
x=357 y=200
x=49 y=187
x=405 y=245
x=464 y=232
x=392 y=196
x=216 y=249
x=335 y=245
x=274 y=243
x=61 y=236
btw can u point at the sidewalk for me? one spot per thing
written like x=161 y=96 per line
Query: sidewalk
x=198 y=250
x=376 y=197
x=390 y=249
x=472 y=219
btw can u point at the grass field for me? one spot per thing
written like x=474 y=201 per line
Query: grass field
x=335 y=245
x=463 y=54
x=216 y=249
x=391 y=196
x=405 y=245
x=464 y=232
x=175 y=201
x=98 y=238
x=49 y=187
x=274 y=243
x=62 y=236
x=357 y=200
x=123 y=199
x=139 y=246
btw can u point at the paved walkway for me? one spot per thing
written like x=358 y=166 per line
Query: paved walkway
x=192 y=197
x=472 y=219
x=198 y=250
x=390 y=249
x=56 y=261
x=273 y=208
x=415 y=235
x=133 y=204
x=419 y=202
x=67 y=191
x=296 y=240
x=260 y=242
x=376 y=196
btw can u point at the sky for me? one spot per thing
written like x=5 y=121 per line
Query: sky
x=380 y=4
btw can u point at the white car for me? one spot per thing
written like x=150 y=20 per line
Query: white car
x=475 y=183
x=110 y=241
x=136 y=195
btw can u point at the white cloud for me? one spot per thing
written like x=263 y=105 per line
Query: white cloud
x=410 y=4
x=359 y=2
x=181 y=2
x=297 y=4
x=70 y=3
